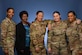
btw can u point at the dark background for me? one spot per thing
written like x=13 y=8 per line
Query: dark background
x=47 y=6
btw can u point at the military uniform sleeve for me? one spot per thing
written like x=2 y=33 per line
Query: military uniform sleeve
x=80 y=34
x=4 y=27
x=50 y=34
x=33 y=36
x=47 y=22
x=80 y=31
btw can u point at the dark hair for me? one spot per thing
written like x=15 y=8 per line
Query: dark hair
x=23 y=12
x=56 y=12
x=39 y=12
x=72 y=12
x=9 y=9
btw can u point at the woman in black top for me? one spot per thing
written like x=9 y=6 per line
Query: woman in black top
x=22 y=42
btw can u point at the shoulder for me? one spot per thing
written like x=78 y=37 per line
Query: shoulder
x=13 y=22
x=33 y=24
x=80 y=25
x=28 y=23
x=46 y=21
x=19 y=24
x=66 y=21
x=63 y=23
x=5 y=22
x=51 y=21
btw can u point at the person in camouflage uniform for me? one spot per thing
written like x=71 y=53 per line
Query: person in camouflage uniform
x=57 y=44
x=74 y=33
x=37 y=33
x=8 y=33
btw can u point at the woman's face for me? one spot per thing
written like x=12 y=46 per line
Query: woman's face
x=56 y=17
x=71 y=17
x=24 y=17
x=39 y=16
x=10 y=13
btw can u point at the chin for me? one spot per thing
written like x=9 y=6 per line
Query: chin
x=11 y=17
x=70 y=21
x=40 y=20
x=25 y=21
x=56 y=20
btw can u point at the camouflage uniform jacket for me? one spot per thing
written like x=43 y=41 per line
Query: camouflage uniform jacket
x=7 y=32
x=56 y=36
x=37 y=32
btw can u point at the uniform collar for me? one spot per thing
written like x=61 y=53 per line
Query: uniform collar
x=8 y=19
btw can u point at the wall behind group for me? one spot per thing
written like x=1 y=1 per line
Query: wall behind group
x=1 y=10
x=80 y=10
x=47 y=6
x=32 y=6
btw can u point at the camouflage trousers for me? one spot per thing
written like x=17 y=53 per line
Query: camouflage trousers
x=80 y=48
x=76 y=51
x=9 y=46
x=58 y=50
x=74 y=47
x=41 y=52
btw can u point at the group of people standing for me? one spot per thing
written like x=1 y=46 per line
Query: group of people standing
x=64 y=37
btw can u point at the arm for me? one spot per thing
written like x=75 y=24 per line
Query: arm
x=4 y=27
x=50 y=34
x=80 y=31
x=18 y=41
x=33 y=36
x=80 y=37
